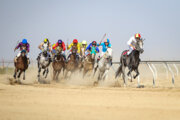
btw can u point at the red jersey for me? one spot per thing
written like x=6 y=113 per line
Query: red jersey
x=62 y=46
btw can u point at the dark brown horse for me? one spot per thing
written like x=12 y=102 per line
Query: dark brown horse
x=88 y=64
x=21 y=65
x=72 y=63
x=58 y=63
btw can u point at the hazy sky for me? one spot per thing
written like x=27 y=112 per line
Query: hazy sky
x=157 y=20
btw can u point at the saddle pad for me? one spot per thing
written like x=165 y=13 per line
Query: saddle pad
x=125 y=52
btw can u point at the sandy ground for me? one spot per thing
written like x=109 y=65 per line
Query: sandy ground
x=78 y=99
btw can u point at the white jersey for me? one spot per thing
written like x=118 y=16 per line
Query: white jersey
x=132 y=41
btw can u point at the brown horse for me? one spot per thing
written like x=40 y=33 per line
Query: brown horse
x=81 y=61
x=58 y=63
x=21 y=65
x=72 y=64
x=88 y=64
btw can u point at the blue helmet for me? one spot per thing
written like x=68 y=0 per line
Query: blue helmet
x=107 y=40
x=24 y=41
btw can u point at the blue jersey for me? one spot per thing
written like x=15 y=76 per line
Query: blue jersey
x=104 y=47
x=90 y=47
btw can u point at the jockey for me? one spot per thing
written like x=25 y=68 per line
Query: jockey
x=62 y=46
x=75 y=43
x=41 y=46
x=83 y=46
x=89 y=48
x=132 y=42
x=24 y=45
x=104 y=45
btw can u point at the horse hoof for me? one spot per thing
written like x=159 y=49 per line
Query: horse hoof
x=125 y=85
x=140 y=86
x=95 y=83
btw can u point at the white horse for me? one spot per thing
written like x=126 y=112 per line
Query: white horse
x=44 y=61
x=104 y=65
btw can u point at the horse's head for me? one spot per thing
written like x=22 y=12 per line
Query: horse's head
x=82 y=51
x=139 y=46
x=58 y=50
x=108 y=53
x=45 y=49
x=23 y=53
x=74 y=49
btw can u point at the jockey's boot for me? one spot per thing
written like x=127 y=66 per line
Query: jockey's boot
x=111 y=62
x=15 y=59
x=64 y=58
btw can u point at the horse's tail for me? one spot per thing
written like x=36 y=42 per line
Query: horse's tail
x=119 y=71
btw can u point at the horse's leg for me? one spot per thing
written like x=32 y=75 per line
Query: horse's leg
x=137 y=73
x=54 y=74
x=15 y=72
x=39 y=71
x=123 y=74
x=100 y=76
x=84 y=73
x=57 y=76
x=129 y=73
x=66 y=72
x=47 y=71
x=106 y=74
x=95 y=69
x=19 y=74
x=44 y=72
x=24 y=75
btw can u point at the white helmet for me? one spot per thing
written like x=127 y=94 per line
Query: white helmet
x=84 y=42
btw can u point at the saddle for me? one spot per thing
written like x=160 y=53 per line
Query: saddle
x=125 y=52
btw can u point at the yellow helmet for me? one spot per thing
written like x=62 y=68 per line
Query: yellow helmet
x=84 y=42
x=45 y=40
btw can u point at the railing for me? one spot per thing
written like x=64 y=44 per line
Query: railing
x=154 y=71
x=150 y=64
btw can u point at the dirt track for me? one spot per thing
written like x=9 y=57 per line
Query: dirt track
x=70 y=101
x=59 y=102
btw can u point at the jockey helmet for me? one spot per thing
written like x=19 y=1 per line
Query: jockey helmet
x=94 y=43
x=106 y=40
x=59 y=41
x=24 y=41
x=45 y=40
x=84 y=42
x=137 y=36
x=75 y=41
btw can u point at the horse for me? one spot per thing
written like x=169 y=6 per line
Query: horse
x=21 y=65
x=44 y=61
x=104 y=65
x=131 y=61
x=88 y=64
x=82 y=58
x=72 y=63
x=58 y=63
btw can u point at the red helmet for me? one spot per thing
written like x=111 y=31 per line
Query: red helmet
x=75 y=41
x=137 y=35
x=94 y=43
